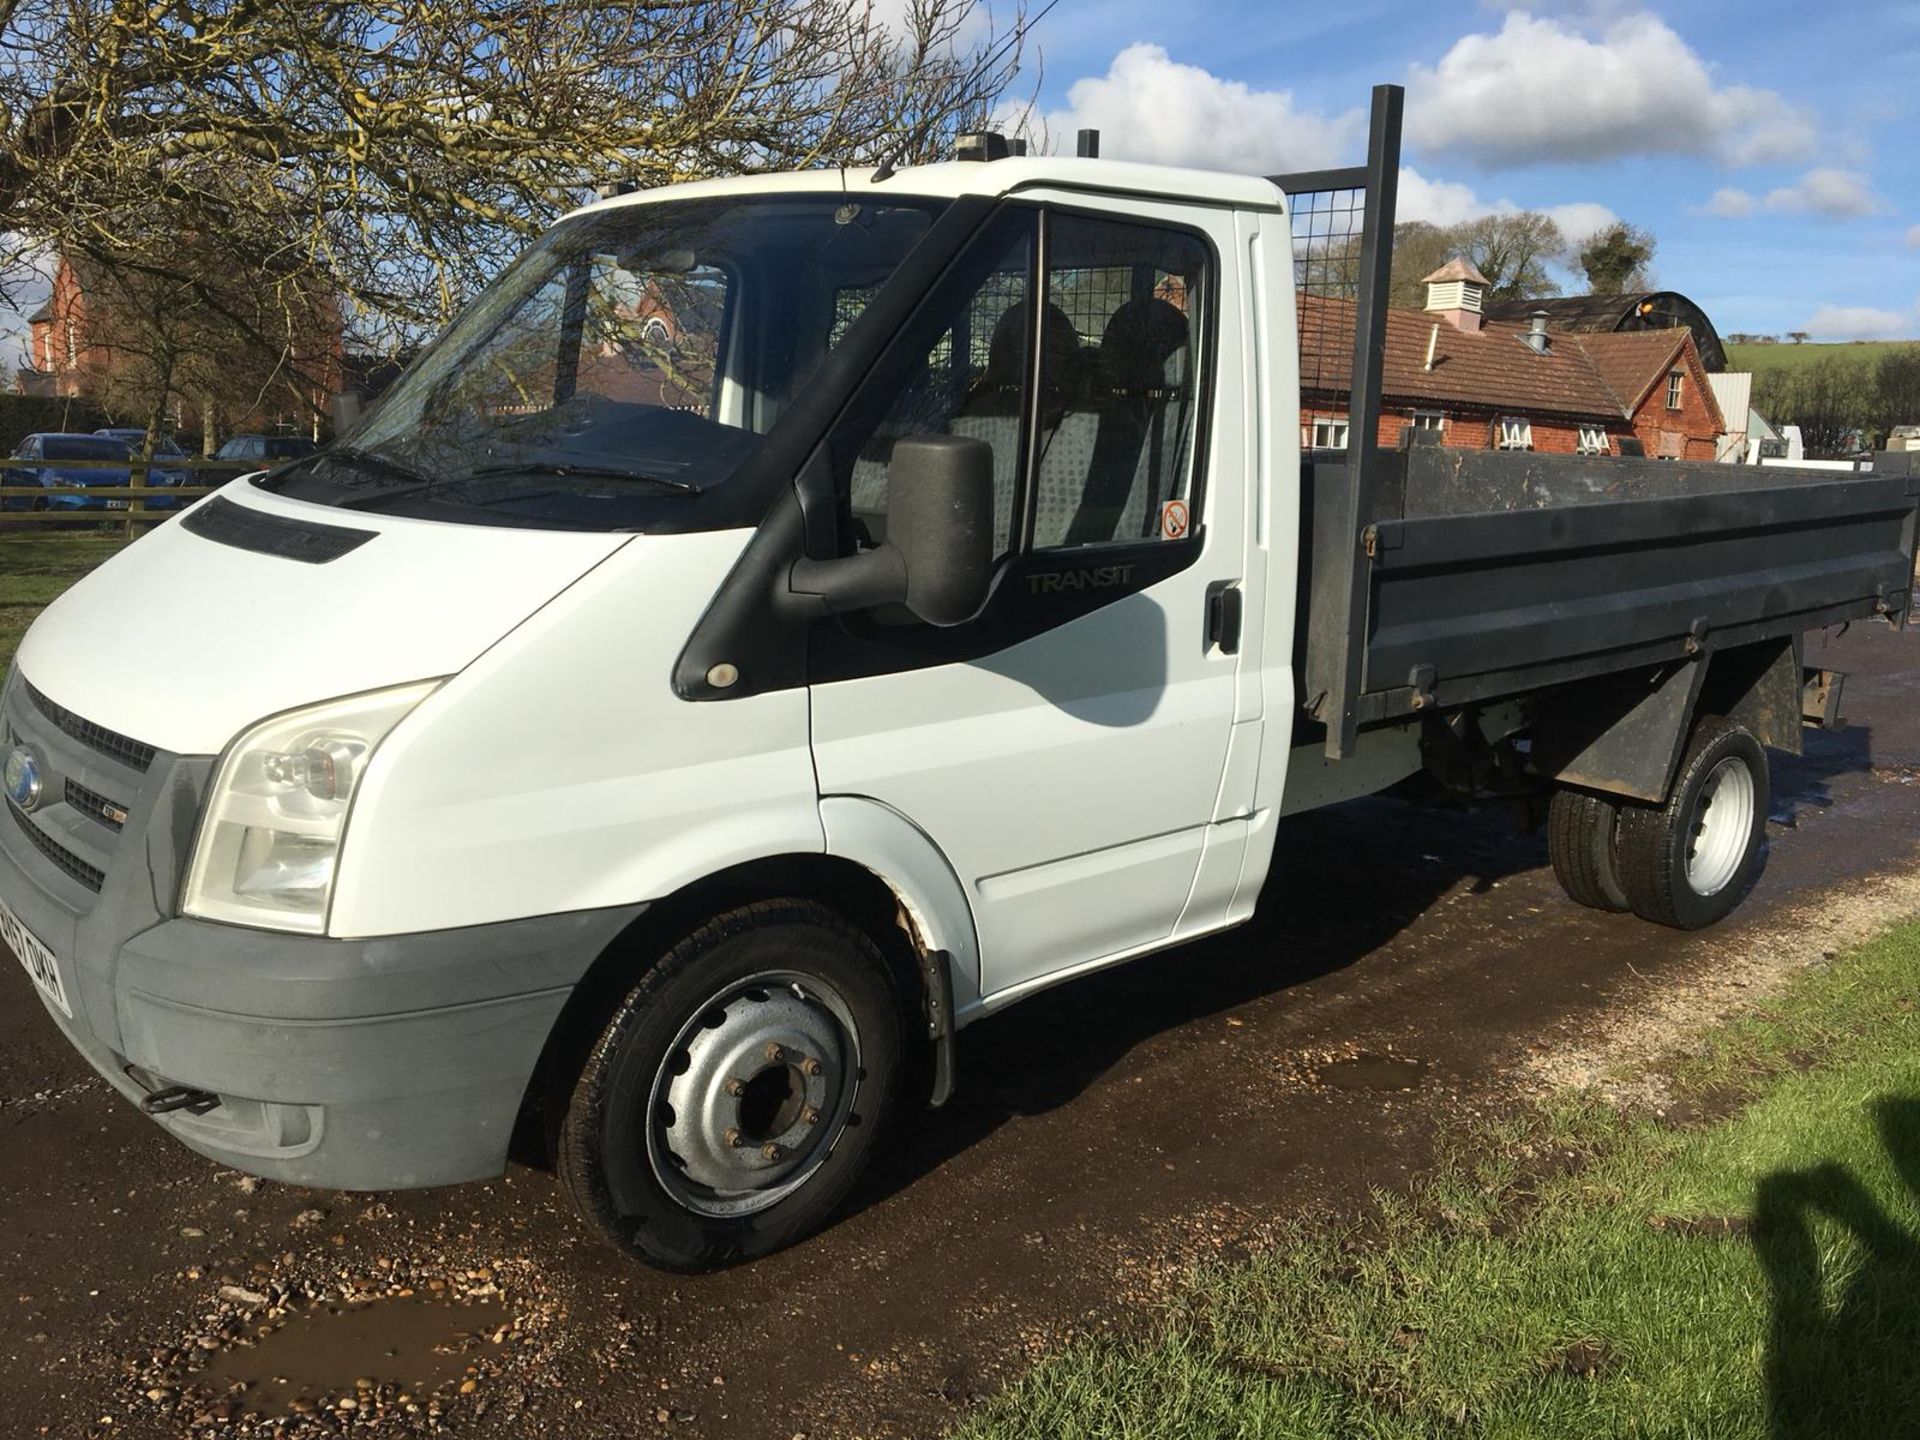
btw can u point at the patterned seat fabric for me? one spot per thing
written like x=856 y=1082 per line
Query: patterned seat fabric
x=1138 y=449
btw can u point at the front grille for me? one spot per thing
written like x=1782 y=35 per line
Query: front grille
x=98 y=737
x=95 y=806
x=90 y=876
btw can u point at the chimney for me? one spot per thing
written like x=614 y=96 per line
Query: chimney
x=1537 y=332
x=1454 y=293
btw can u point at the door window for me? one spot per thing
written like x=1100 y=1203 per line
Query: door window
x=1117 y=414
x=1092 y=428
x=968 y=378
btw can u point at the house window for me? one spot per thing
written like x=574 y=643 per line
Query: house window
x=1592 y=441
x=1513 y=432
x=1329 y=433
x=1432 y=420
x=1675 y=380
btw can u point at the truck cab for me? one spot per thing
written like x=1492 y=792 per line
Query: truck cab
x=781 y=621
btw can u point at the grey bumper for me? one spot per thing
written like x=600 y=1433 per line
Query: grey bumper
x=352 y=1065
x=341 y=1064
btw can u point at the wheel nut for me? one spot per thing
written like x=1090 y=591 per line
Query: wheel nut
x=733 y=1138
x=771 y=1151
x=812 y=1066
x=775 y=1051
x=810 y=1115
x=735 y=1086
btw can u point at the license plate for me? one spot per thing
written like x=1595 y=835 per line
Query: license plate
x=36 y=958
x=117 y=504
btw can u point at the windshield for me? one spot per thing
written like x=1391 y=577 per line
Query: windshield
x=620 y=372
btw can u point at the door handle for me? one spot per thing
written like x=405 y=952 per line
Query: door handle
x=1223 y=616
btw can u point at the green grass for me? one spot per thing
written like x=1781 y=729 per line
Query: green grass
x=1588 y=1274
x=1785 y=356
x=33 y=572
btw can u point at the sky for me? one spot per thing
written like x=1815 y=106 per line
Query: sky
x=1771 y=146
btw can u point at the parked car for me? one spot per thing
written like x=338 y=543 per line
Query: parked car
x=52 y=458
x=165 y=447
x=266 y=448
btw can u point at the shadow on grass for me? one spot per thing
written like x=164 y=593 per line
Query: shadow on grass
x=1846 y=1326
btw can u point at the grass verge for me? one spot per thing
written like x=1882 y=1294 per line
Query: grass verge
x=33 y=572
x=1581 y=1272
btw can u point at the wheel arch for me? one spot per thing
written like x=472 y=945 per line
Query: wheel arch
x=922 y=927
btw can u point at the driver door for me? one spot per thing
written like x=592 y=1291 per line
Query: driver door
x=1065 y=747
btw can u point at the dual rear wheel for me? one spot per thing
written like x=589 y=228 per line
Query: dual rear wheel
x=1684 y=863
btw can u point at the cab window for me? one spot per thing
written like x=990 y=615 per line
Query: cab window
x=1088 y=399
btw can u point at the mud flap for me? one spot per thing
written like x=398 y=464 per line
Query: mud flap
x=1622 y=733
x=936 y=975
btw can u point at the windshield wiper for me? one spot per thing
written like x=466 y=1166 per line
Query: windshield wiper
x=371 y=460
x=567 y=470
x=412 y=481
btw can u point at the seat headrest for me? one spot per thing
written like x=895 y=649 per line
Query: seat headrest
x=1007 y=351
x=1145 y=345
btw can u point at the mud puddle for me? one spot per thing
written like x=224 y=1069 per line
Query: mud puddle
x=382 y=1354
x=1374 y=1072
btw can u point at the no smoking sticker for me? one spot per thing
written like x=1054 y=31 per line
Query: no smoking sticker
x=1173 y=520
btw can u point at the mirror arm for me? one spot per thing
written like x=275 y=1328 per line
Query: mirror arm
x=852 y=583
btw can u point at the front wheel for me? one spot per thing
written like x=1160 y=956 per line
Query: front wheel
x=1687 y=863
x=732 y=1100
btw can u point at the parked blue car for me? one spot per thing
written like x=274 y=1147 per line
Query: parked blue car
x=165 y=448
x=44 y=456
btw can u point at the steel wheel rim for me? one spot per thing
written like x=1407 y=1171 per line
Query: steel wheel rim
x=753 y=1094
x=1722 y=827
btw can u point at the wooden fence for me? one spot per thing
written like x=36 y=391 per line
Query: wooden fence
x=26 y=508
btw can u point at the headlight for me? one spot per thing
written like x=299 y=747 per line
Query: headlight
x=270 y=836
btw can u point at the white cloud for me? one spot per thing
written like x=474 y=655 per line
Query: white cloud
x=1448 y=202
x=1913 y=238
x=1842 y=194
x=1546 y=90
x=1582 y=220
x=1150 y=107
x=1730 y=203
x=1863 y=322
x=1439 y=202
x=1837 y=194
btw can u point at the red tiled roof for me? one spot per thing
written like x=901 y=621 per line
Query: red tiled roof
x=1588 y=377
x=1636 y=366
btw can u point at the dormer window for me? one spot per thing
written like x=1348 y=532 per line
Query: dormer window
x=1675 y=381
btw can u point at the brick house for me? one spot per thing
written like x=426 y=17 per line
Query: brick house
x=58 y=355
x=1488 y=385
x=67 y=357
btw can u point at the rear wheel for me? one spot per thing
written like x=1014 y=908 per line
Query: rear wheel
x=732 y=1100
x=1581 y=831
x=1688 y=863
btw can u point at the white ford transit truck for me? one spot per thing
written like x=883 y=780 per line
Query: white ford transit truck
x=785 y=619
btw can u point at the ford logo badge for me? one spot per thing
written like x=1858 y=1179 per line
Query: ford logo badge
x=22 y=779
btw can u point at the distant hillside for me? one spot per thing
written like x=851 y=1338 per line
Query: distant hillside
x=1762 y=358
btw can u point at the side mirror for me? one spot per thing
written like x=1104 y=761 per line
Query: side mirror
x=938 y=555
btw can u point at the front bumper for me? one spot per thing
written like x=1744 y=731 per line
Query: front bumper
x=342 y=1064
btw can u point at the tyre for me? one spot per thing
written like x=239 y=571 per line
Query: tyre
x=1688 y=862
x=1581 y=832
x=733 y=1098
